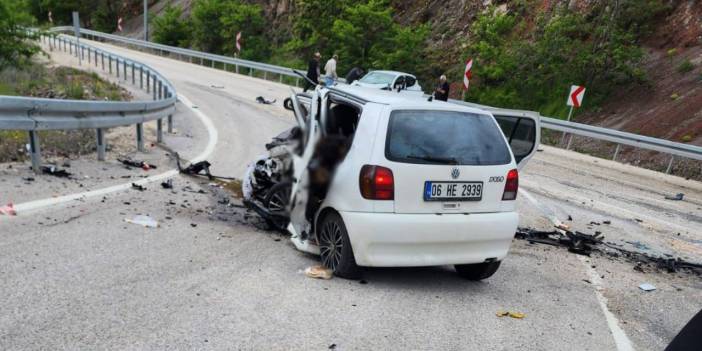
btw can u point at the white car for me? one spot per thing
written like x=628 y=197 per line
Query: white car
x=390 y=80
x=380 y=179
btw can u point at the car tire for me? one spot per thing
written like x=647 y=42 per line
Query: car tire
x=335 y=248
x=478 y=271
x=276 y=200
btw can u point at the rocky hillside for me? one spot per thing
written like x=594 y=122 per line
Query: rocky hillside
x=667 y=105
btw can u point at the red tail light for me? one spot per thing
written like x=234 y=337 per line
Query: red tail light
x=511 y=185
x=376 y=183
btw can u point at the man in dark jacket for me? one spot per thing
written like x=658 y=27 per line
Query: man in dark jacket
x=313 y=71
x=442 y=90
x=354 y=74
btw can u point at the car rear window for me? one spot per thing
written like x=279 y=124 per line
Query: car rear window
x=445 y=137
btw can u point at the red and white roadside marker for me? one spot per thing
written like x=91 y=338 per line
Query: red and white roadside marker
x=119 y=24
x=575 y=98
x=238 y=42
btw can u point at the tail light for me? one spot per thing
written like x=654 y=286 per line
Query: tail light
x=511 y=185
x=376 y=183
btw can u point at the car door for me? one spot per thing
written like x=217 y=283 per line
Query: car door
x=299 y=226
x=522 y=129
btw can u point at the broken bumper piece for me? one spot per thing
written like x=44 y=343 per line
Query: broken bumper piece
x=406 y=240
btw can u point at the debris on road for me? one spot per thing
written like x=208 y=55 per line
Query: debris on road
x=28 y=179
x=168 y=184
x=217 y=86
x=318 y=272
x=195 y=168
x=138 y=164
x=8 y=209
x=261 y=100
x=138 y=187
x=55 y=171
x=142 y=220
x=516 y=315
x=647 y=287
x=676 y=197
x=585 y=244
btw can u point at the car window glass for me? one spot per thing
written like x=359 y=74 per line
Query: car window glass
x=432 y=137
x=520 y=133
x=410 y=81
x=378 y=78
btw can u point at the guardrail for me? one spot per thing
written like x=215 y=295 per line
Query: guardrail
x=620 y=138
x=37 y=114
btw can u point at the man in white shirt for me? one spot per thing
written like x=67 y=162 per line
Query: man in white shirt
x=330 y=71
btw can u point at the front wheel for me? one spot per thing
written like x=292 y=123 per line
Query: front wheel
x=335 y=247
x=478 y=271
x=276 y=202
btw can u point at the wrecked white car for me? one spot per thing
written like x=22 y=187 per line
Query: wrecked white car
x=378 y=179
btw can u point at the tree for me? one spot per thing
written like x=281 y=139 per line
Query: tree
x=170 y=29
x=15 y=41
x=207 y=26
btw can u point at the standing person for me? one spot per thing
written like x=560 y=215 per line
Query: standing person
x=330 y=70
x=354 y=74
x=442 y=90
x=313 y=71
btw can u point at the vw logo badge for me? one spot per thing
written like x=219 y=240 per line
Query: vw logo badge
x=455 y=173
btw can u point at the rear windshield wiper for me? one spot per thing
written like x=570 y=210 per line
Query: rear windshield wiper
x=439 y=160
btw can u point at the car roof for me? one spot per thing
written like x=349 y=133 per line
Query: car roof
x=394 y=72
x=399 y=100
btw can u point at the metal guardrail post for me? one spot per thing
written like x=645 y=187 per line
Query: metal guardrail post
x=141 y=77
x=280 y=78
x=265 y=75
x=148 y=81
x=102 y=58
x=297 y=82
x=109 y=62
x=117 y=67
x=133 y=78
x=35 y=151
x=237 y=68
x=124 y=66
x=154 y=89
x=101 y=146
x=201 y=62
x=250 y=72
x=616 y=152
x=570 y=141
x=70 y=48
x=140 y=137
x=670 y=164
x=212 y=61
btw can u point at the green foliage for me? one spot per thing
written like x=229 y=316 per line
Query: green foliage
x=15 y=45
x=685 y=66
x=217 y=22
x=100 y=15
x=533 y=68
x=363 y=33
x=170 y=29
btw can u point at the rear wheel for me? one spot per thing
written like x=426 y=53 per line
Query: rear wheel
x=478 y=271
x=335 y=247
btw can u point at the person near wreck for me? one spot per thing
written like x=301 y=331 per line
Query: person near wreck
x=330 y=71
x=313 y=71
x=354 y=74
x=442 y=89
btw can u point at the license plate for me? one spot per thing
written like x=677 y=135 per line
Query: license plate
x=453 y=191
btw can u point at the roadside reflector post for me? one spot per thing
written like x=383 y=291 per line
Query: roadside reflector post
x=575 y=99
x=140 y=137
x=570 y=141
x=670 y=164
x=100 y=137
x=616 y=152
x=35 y=151
x=159 y=130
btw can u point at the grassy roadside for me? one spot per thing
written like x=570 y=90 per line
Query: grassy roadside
x=37 y=80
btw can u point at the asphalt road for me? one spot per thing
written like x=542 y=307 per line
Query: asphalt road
x=77 y=276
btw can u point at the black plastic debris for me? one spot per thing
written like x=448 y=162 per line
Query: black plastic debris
x=676 y=197
x=55 y=171
x=28 y=179
x=138 y=164
x=585 y=244
x=138 y=187
x=196 y=169
x=168 y=184
x=261 y=100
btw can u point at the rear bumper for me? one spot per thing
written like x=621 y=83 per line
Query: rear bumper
x=404 y=240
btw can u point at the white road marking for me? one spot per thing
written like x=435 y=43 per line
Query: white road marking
x=26 y=207
x=622 y=341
